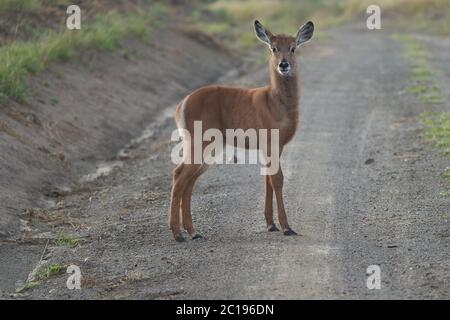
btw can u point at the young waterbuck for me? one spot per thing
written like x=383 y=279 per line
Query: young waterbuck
x=219 y=107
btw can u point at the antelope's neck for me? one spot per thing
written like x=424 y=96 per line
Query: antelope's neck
x=285 y=90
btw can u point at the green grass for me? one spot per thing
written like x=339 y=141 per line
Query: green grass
x=31 y=57
x=49 y=271
x=15 y=5
x=28 y=285
x=445 y=193
x=421 y=75
x=63 y=239
x=30 y=5
x=42 y=275
x=438 y=132
x=423 y=85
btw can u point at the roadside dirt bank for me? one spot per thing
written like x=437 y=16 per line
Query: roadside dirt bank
x=79 y=115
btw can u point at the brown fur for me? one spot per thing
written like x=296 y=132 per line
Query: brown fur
x=220 y=107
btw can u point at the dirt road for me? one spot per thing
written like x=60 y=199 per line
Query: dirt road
x=360 y=189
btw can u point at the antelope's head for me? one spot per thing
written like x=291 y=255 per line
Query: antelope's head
x=283 y=47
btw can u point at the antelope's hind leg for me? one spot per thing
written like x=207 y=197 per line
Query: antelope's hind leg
x=182 y=174
x=186 y=215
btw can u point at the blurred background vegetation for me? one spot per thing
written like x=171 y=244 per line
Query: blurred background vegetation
x=33 y=34
x=230 y=16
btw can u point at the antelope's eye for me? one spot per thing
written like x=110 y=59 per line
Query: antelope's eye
x=293 y=49
x=274 y=49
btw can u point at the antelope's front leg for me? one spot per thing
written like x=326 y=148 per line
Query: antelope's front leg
x=277 y=185
x=268 y=205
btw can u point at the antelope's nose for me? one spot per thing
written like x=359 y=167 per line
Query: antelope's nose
x=284 y=65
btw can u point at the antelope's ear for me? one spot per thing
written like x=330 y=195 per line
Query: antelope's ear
x=304 y=33
x=262 y=33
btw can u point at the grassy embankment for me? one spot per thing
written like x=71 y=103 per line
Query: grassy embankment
x=22 y=57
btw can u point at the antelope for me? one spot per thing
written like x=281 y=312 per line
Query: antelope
x=271 y=107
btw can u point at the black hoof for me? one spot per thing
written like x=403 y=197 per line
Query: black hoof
x=272 y=228
x=197 y=236
x=289 y=232
x=179 y=238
